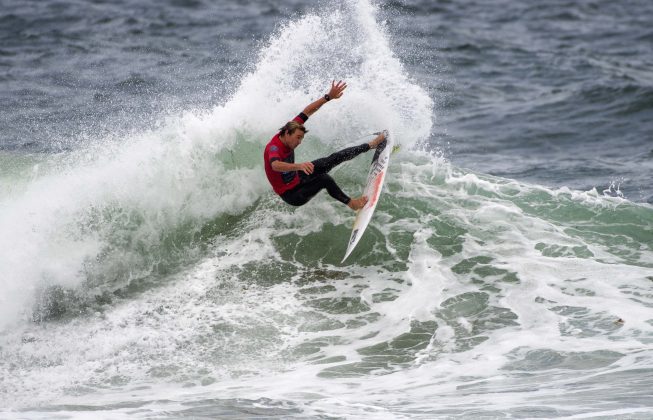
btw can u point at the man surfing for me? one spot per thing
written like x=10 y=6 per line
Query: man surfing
x=298 y=183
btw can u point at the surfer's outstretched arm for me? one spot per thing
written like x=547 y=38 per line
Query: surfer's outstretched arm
x=335 y=92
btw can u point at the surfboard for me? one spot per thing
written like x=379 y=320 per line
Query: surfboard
x=372 y=191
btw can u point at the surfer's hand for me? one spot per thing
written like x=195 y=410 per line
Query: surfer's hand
x=380 y=136
x=306 y=167
x=357 y=203
x=337 y=89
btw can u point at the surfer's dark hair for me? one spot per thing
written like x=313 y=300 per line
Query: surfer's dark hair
x=291 y=127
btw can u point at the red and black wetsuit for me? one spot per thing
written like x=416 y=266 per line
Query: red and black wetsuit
x=295 y=187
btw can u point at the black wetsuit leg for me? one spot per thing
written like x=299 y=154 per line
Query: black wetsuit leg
x=324 y=165
x=310 y=185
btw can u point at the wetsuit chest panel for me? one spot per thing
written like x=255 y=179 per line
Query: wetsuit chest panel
x=288 y=177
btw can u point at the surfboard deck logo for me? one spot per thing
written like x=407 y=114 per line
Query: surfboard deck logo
x=373 y=188
x=354 y=234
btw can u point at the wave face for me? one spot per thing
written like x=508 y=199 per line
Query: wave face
x=156 y=275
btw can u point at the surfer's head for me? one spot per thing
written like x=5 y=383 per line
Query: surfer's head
x=292 y=134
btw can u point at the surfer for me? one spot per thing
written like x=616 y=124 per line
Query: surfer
x=298 y=183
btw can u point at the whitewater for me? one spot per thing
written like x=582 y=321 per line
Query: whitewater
x=154 y=274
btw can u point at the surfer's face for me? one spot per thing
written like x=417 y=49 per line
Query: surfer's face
x=295 y=139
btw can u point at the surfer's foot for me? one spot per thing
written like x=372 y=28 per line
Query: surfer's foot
x=378 y=139
x=357 y=203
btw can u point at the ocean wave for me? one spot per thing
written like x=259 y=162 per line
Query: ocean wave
x=158 y=270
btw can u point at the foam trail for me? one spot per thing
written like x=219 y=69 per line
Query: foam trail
x=66 y=224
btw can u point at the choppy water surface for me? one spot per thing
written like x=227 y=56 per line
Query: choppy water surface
x=148 y=271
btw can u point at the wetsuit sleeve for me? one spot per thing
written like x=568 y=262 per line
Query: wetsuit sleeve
x=273 y=154
x=301 y=118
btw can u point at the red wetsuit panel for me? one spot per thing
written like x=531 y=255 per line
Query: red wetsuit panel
x=276 y=150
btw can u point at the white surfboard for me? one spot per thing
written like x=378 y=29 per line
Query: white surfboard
x=372 y=191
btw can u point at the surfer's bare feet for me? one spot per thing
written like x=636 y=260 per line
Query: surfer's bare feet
x=377 y=140
x=357 y=203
